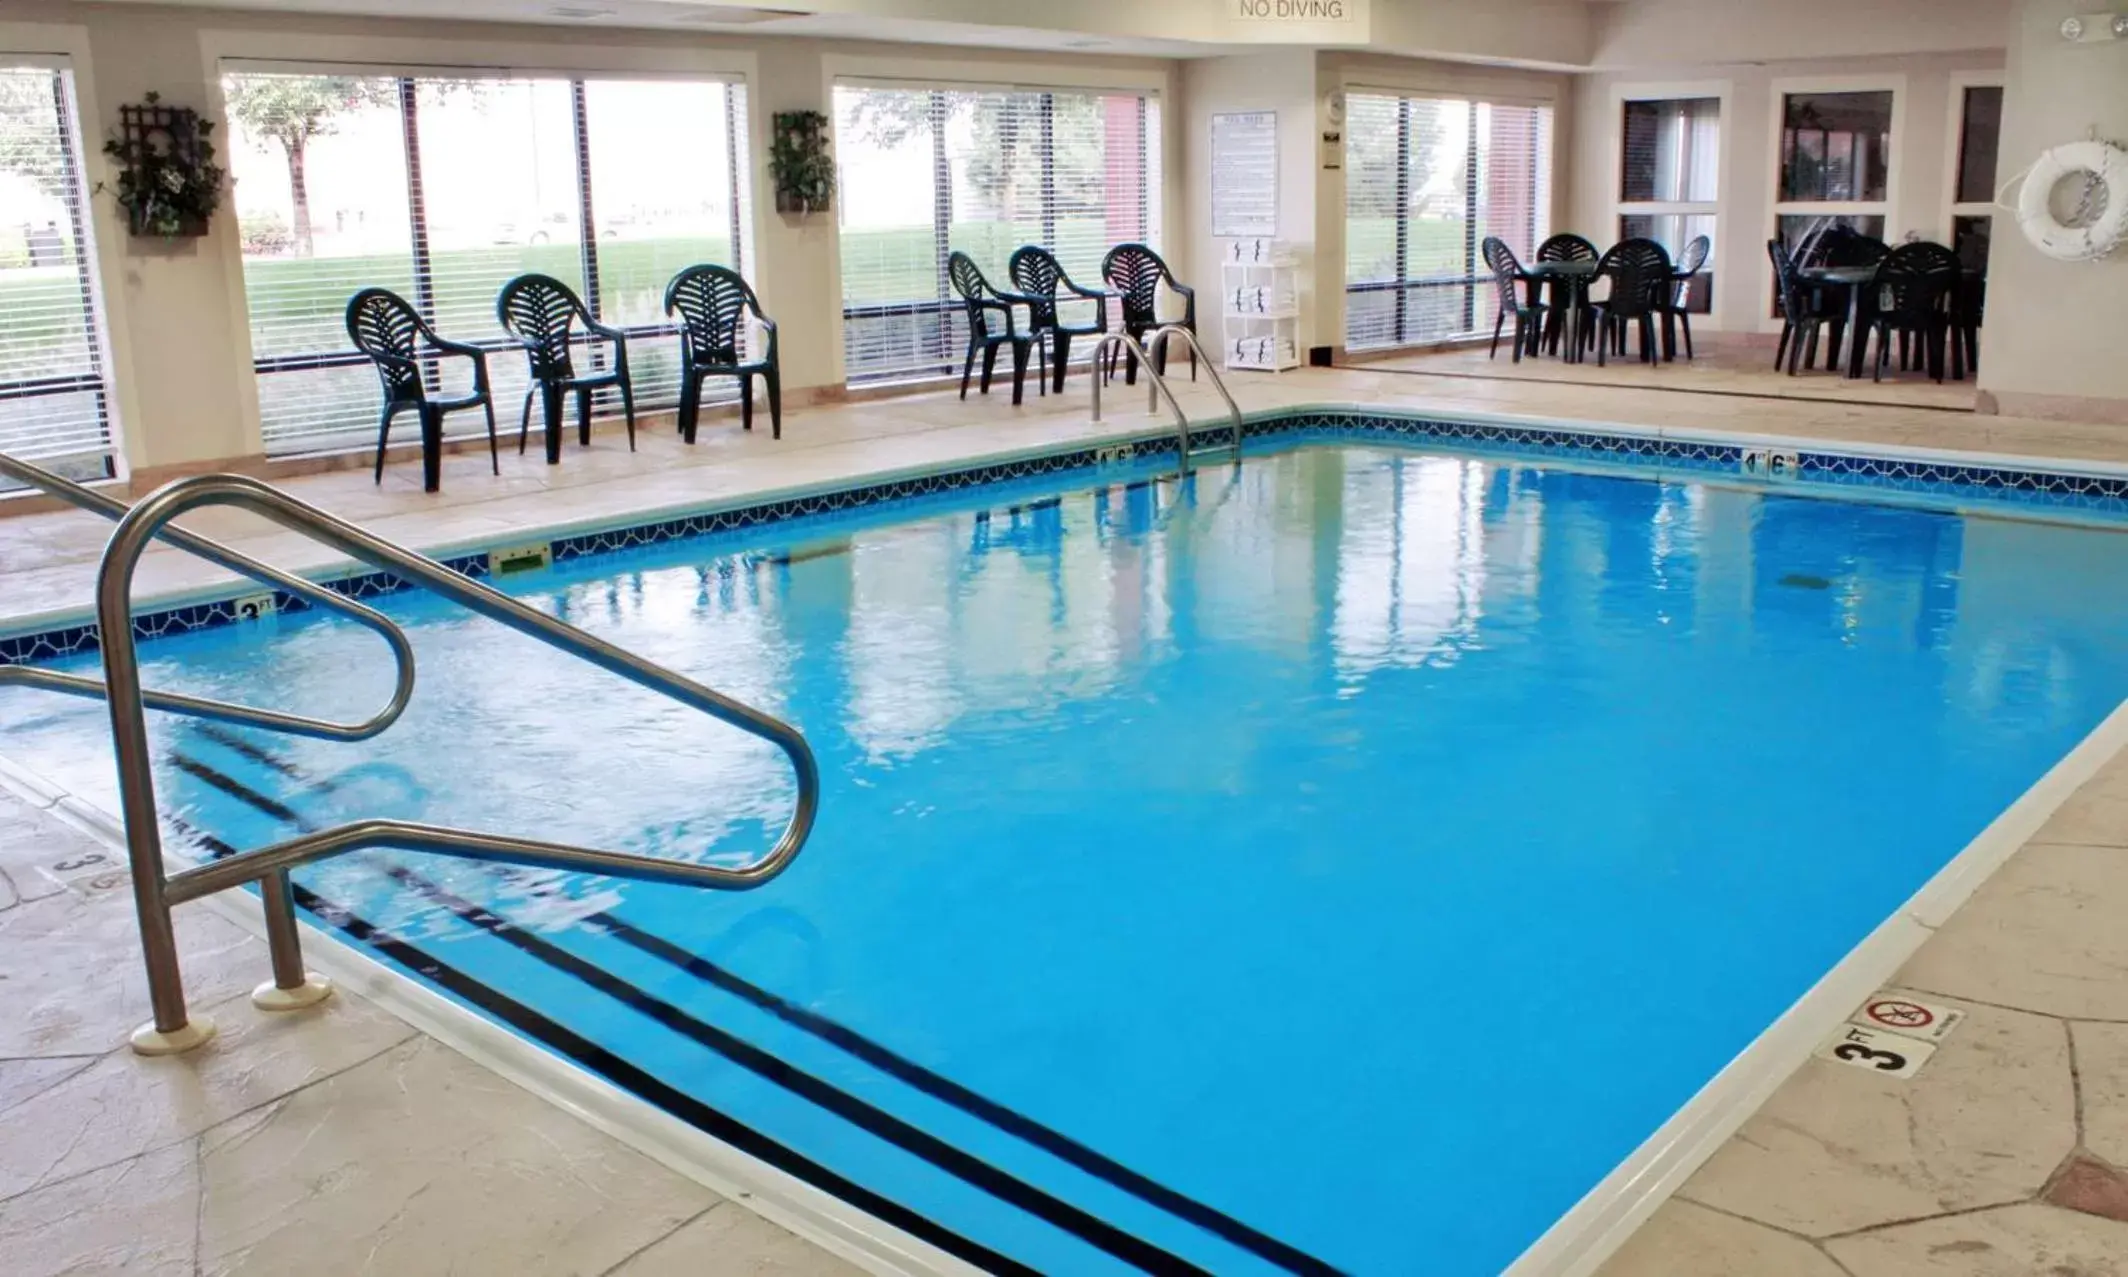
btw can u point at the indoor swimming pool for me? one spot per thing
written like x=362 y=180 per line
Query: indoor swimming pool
x=1336 y=863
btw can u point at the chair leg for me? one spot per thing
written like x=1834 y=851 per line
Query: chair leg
x=1810 y=351
x=431 y=450
x=494 y=460
x=1499 y=320
x=967 y=368
x=1063 y=358
x=774 y=379
x=1684 y=325
x=384 y=432
x=1192 y=326
x=552 y=400
x=1603 y=340
x=746 y=401
x=1780 y=349
x=524 y=420
x=583 y=418
x=690 y=405
x=1021 y=349
x=1884 y=353
x=628 y=408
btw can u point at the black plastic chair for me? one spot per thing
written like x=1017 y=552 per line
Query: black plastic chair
x=1135 y=273
x=1677 y=301
x=385 y=327
x=1567 y=294
x=1911 y=295
x=1507 y=280
x=1803 y=311
x=542 y=313
x=1640 y=276
x=981 y=302
x=713 y=303
x=1038 y=275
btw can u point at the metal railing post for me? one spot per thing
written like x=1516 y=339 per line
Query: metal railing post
x=1159 y=388
x=1157 y=348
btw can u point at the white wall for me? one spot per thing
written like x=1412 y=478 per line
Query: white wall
x=1673 y=33
x=1919 y=180
x=1282 y=80
x=2064 y=355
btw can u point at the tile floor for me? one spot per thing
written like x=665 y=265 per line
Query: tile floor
x=342 y=1141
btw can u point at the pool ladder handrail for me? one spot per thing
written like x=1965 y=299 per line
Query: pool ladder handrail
x=221 y=556
x=1157 y=348
x=155 y=890
x=1157 y=389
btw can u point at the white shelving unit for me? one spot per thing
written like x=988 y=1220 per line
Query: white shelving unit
x=1259 y=308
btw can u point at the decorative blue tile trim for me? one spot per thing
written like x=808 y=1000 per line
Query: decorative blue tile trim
x=2105 y=494
x=75 y=639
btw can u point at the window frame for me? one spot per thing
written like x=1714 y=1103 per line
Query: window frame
x=72 y=89
x=1954 y=145
x=1544 y=189
x=1895 y=156
x=1153 y=195
x=1723 y=92
x=744 y=153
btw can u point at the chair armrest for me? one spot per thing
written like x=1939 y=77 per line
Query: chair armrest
x=452 y=347
x=614 y=335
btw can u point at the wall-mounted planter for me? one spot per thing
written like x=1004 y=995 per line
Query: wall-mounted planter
x=167 y=182
x=802 y=164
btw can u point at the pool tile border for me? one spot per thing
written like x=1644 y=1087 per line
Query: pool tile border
x=2042 y=489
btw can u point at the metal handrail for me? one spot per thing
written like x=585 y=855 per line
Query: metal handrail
x=155 y=890
x=1153 y=395
x=1157 y=348
x=221 y=556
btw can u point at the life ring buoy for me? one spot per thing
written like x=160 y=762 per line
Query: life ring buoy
x=2105 y=163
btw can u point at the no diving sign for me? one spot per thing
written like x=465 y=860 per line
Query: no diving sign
x=1893 y=1033
x=1902 y=1013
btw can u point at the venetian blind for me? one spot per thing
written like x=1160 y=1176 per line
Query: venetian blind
x=1427 y=179
x=54 y=396
x=444 y=188
x=926 y=172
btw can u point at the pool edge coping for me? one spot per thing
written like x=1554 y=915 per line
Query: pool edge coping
x=1144 y=439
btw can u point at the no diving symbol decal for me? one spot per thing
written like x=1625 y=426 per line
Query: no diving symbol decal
x=1893 y=1013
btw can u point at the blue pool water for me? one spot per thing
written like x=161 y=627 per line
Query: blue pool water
x=1341 y=864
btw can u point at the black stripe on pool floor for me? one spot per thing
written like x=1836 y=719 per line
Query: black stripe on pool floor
x=885 y=1059
x=614 y=1068
x=879 y=1123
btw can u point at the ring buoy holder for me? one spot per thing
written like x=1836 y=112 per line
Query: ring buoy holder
x=2101 y=165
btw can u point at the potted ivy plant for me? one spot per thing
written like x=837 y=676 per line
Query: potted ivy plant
x=801 y=163
x=168 y=182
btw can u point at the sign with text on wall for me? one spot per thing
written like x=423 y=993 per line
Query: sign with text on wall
x=1294 y=10
x=1245 y=174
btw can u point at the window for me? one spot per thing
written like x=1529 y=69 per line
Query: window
x=1973 y=195
x=55 y=399
x=1426 y=181
x=1835 y=147
x=928 y=172
x=442 y=189
x=1670 y=167
x=1835 y=167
